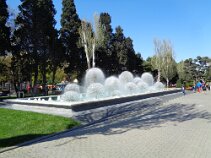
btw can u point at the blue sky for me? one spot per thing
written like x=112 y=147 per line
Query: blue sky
x=186 y=23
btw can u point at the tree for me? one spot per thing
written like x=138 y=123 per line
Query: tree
x=106 y=29
x=24 y=48
x=202 y=66
x=157 y=59
x=147 y=66
x=69 y=32
x=190 y=69
x=99 y=29
x=4 y=30
x=168 y=69
x=47 y=34
x=181 y=71
x=120 y=49
x=208 y=70
x=56 y=58
x=196 y=69
x=5 y=69
x=135 y=61
x=124 y=56
x=105 y=54
x=88 y=41
x=34 y=37
x=91 y=38
x=208 y=73
x=138 y=63
x=4 y=41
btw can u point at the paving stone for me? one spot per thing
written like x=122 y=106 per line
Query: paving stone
x=177 y=128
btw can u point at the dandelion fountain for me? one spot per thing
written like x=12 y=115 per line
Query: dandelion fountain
x=98 y=91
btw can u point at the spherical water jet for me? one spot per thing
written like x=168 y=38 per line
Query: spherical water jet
x=131 y=88
x=136 y=80
x=142 y=87
x=159 y=86
x=70 y=96
x=72 y=87
x=96 y=86
x=148 y=78
x=111 y=84
x=94 y=75
x=125 y=77
x=94 y=91
x=115 y=93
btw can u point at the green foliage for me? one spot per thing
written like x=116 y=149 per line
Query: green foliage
x=37 y=53
x=120 y=48
x=5 y=68
x=46 y=33
x=18 y=126
x=189 y=83
x=4 y=30
x=196 y=69
x=88 y=41
x=208 y=73
x=163 y=60
x=157 y=59
x=34 y=40
x=105 y=54
x=70 y=22
x=168 y=70
x=59 y=76
x=138 y=67
x=179 y=84
x=180 y=70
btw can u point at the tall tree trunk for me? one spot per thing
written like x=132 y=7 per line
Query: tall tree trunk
x=159 y=74
x=44 y=80
x=86 y=51
x=54 y=74
x=167 y=83
x=88 y=61
x=93 y=55
x=44 y=85
x=35 y=80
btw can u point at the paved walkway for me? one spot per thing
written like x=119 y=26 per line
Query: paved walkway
x=179 y=128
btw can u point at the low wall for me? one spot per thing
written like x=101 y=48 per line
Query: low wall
x=97 y=104
x=82 y=106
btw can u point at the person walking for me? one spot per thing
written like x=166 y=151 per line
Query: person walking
x=183 y=89
x=198 y=86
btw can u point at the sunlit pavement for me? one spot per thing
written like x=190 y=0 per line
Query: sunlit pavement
x=178 y=128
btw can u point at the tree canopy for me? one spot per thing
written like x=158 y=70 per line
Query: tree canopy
x=4 y=29
x=35 y=51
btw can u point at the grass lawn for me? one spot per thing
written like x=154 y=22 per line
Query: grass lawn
x=20 y=126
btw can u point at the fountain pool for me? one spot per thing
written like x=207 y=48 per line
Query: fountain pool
x=98 y=91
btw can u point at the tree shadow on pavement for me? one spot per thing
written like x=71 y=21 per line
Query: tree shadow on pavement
x=143 y=116
x=8 y=142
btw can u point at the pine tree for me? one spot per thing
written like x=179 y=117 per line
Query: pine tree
x=120 y=49
x=135 y=61
x=35 y=35
x=70 y=23
x=105 y=55
x=24 y=47
x=4 y=30
x=46 y=33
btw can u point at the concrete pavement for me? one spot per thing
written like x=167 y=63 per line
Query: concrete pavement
x=179 y=128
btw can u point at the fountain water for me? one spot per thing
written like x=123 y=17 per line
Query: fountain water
x=112 y=86
x=96 y=86
x=98 y=91
x=94 y=75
